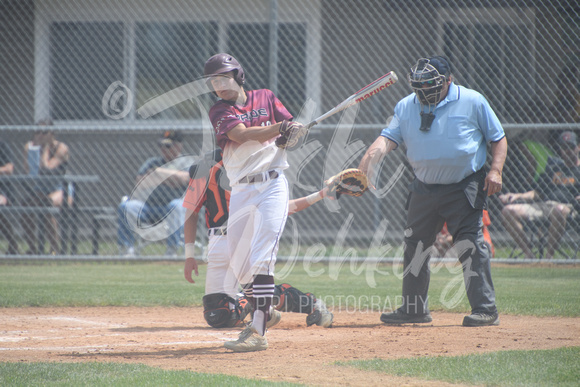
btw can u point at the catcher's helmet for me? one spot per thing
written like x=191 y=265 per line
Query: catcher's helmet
x=224 y=63
x=427 y=78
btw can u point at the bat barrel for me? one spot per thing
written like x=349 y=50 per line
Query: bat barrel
x=368 y=91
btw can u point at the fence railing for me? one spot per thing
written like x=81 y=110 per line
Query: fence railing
x=91 y=66
x=103 y=166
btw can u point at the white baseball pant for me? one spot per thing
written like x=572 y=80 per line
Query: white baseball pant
x=258 y=214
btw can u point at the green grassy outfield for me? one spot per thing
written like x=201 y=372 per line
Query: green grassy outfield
x=558 y=367
x=113 y=374
x=523 y=290
x=96 y=284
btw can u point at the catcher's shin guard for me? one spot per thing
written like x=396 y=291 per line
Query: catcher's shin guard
x=244 y=307
x=289 y=299
x=219 y=310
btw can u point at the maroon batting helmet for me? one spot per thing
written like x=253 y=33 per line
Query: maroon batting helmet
x=224 y=63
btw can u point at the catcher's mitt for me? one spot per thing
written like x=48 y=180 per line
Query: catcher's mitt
x=351 y=182
x=290 y=133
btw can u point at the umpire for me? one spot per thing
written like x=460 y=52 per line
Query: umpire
x=445 y=128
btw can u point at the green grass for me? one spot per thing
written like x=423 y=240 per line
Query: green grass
x=538 y=291
x=106 y=248
x=558 y=367
x=565 y=251
x=112 y=374
x=522 y=290
x=533 y=290
x=97 y=284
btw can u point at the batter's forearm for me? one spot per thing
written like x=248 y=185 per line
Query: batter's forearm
x=242 y=134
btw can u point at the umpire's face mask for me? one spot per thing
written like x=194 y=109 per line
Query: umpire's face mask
x=428 y=84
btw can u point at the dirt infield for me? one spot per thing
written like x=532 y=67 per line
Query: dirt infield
x=178 y=338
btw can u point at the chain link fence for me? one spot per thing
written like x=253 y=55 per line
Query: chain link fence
x=92 y=66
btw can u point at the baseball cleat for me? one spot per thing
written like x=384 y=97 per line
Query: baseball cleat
x=481 y=319
x=248 y=341
x=398 y=317
x=320 y=316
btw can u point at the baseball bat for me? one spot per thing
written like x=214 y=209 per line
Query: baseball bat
x=364 y=93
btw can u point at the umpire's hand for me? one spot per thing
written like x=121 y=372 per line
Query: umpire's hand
x=493 y=182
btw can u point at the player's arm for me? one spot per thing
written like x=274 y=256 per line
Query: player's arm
x=189 y=234
x=374 y=155
x=240 y=133
x=296 y=205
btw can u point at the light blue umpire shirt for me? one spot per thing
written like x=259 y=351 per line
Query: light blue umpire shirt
x=456 y=145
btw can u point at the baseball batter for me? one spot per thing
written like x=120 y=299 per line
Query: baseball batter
x=209 y=188
x=247 y=124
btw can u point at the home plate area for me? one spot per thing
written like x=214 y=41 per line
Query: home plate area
x=179 y=338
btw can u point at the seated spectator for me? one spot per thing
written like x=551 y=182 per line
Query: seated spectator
x=537 y=152
x=444 y=240
x=519 y=169
x=526 y=161
x=45 y=156
x=163 y=203
x=6 y=168
x=556 y=198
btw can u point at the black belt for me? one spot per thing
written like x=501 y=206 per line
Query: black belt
x=217 y=231
x=260 y=177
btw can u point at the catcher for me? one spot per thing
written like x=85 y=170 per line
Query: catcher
x=223 y=305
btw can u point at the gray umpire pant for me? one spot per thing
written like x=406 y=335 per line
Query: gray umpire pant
x=461 y=206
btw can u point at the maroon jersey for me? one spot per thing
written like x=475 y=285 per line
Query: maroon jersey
x=262 y=108
x=207 y=191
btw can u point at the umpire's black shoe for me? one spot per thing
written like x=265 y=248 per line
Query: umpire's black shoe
x=398 y=317
x=481 y=319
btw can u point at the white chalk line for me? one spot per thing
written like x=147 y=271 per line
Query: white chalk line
x=110 y=347
x=220 y=336
x=50 y=338
x=84 y=321
x=64 y=318
x=11 y=339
